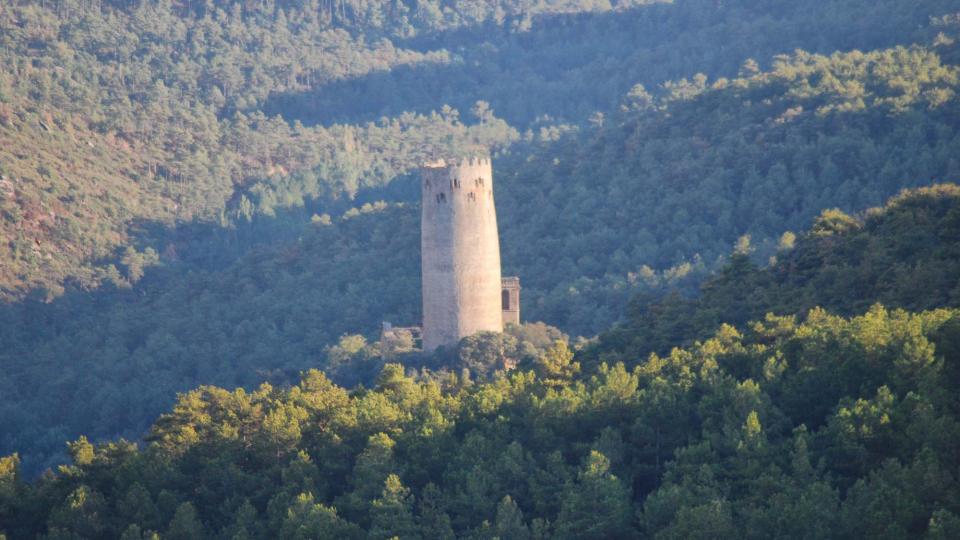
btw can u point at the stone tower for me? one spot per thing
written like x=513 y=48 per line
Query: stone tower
x=460 y=252
x=510 y=300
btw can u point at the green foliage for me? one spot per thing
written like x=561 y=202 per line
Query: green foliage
x=509 y=523
x=83 y=512
x=433 y=520
x=902 y=254
x=372 y=468
x=391 y=514
x=706 y=442
x=597 y=505
x=11 y=490
x=81 y=451
x=143 y=156
x=171 y=157
x=556 y=366
x=753 y=155
x=943 y=524
x=149 y=114
x=306 y=519
x=185 y=524
x=486 y=352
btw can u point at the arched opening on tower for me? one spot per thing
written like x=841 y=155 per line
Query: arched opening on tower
x=505 y=300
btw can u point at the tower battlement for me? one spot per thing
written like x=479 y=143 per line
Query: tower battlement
x=457 y=163
x=456 y=169
x=469 y=179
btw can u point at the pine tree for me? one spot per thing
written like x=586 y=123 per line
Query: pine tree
x=597 y=505
x=306 y=520
x=391 y=515
x=509 y=523
x=433 y=520
x=555 y=366
x=137 y=507
x=185 y=524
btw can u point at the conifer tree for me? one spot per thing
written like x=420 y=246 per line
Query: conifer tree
x=391 y=515
x=596 y=505
x=555 y=366
x=306 y=519
x=433 y=521
x=185 y=524
x=509 y=523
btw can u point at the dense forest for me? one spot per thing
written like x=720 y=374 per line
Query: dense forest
x=811 y=425
x=905 y=254
x=738 y=220
x=123 y=121
x=824 y=428
x=647 y=200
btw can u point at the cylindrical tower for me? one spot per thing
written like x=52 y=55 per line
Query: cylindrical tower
x=460 y=252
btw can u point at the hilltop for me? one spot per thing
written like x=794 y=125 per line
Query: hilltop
x=903 y=254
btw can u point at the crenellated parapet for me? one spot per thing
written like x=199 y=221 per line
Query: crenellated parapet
x=470 y=179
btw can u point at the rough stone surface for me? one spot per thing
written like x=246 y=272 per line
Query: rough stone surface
x=460 y=252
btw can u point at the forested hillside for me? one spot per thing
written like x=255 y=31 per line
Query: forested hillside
x=674 y=181
x=123 y=120
x=114 y=118
x=225 y=192
x=843 y=264
x=532 y=63
x=826 y=428
x=67 y=379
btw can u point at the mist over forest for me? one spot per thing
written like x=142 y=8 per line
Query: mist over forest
x=736 y=225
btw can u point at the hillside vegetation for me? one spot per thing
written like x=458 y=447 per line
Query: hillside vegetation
x=829 y=427
x=647 y=198
x=121 y=121
x=116 y=117
x=674 y=181
x=62 y=379
x=224 y=192
x=843 y=264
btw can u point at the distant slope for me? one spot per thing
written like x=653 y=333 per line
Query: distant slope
x=108 y=362
x=143 y=116
x=905 y=254
x=173 y=94
x=566 y=60
x=681 y=177
x=67 y=193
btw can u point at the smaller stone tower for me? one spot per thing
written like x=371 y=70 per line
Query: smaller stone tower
x=510 y=300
